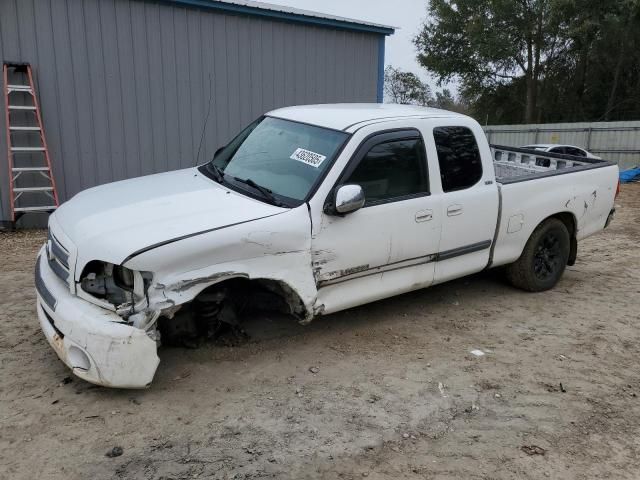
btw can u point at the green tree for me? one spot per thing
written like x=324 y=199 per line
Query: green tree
x=600 y=74
x=445 y=100
x=405 y=88
x=537 y=60
x=491 y=43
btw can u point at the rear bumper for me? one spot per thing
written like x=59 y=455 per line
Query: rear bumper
x=89 y=339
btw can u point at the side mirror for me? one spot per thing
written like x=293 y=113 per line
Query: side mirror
x=349 y=198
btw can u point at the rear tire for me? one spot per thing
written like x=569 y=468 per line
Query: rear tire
x=543 y=259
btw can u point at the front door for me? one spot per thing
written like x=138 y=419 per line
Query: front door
x=388 y=246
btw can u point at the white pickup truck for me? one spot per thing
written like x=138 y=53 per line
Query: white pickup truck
x=309 y=210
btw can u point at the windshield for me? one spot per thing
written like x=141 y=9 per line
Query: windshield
x=277 y=160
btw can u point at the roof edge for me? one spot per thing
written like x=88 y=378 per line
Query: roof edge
x=285 y=14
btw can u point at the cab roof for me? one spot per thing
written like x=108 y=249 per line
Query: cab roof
x=350 y=116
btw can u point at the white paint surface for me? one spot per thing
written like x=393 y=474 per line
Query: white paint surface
x=192 y=233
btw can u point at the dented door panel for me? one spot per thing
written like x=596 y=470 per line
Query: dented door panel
x=381 y=249
x=374 y=242
x=588 y=198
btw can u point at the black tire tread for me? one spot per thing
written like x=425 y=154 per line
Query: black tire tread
x=520 y=273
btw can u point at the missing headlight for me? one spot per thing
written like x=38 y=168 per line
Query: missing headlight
x=107 y=281
x=123 y=277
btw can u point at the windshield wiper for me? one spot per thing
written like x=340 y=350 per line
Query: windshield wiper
x=217 y=172
x=268 y=194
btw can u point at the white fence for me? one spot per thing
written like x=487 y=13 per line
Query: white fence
x=615 y=141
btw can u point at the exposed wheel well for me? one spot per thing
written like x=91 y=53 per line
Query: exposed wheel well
x=259 y=294
x=276 y=289
x=218 y=310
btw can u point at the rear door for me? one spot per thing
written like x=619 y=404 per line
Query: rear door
x=469 y=198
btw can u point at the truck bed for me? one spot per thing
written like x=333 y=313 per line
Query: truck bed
x=514 y=164
x=585 y=198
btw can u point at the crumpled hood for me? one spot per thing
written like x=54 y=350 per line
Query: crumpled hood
x=112 y=221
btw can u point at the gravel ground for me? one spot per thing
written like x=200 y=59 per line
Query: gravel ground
x=385 y=391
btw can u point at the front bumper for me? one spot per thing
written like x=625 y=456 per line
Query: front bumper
x=90 y=340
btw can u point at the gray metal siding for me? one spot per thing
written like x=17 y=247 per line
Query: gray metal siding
x=124 y=85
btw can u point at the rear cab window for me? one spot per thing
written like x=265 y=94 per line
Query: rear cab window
x=458 y=157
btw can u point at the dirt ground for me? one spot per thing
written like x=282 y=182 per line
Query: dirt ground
x=394 y=391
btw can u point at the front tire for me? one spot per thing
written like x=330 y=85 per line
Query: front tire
x=543 y=259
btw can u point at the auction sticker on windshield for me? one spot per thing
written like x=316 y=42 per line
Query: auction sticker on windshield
x=307 y=156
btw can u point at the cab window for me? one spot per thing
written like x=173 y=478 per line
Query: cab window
x=458 y=157
x=392 y=170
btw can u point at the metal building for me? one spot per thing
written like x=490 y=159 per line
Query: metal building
x=126 y=86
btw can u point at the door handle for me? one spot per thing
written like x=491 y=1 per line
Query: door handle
x=453 y=210
x=424 y=216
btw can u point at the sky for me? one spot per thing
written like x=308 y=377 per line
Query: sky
x=406 y=15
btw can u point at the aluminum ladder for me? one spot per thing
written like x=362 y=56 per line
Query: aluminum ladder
x=27 y=152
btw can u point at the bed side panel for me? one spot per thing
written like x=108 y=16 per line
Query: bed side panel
x=588 y=195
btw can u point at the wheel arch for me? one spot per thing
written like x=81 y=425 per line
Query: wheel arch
x=239 y=282
x=570 y=221
x=522 y=274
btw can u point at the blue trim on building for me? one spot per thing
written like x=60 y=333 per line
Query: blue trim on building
x=286 y=16
x=381 y=69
